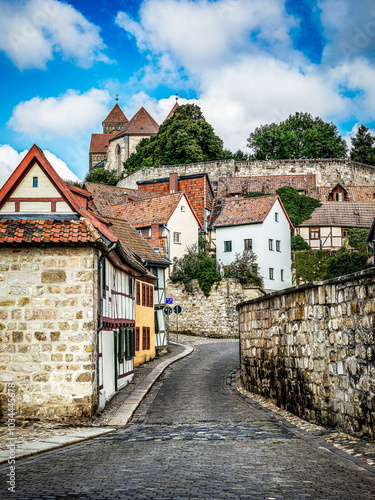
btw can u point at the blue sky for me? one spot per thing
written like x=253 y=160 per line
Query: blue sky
x=245 y=62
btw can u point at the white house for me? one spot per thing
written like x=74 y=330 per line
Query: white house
x=259 y=224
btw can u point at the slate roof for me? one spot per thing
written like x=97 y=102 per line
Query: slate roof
x=354 y=193
x=47 y=231
x=230 y=186
x=99 y=143
x=105 y=197
x=142 y=123
x=143 y=213
x=342 y=214
x=133 y=241
x=245 y=210
x=116 y=115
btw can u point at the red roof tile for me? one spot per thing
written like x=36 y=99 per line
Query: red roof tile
x=353 y=193
x=142 y=123
x=116 y=115
x=342 y=214
x=99 y=143
x=171 y=113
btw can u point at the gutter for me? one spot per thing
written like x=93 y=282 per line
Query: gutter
x=100 y=325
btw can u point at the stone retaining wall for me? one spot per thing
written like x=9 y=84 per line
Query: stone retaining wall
x=311 y=349
x=210 y=316
x=328 y=171
x=48 y=331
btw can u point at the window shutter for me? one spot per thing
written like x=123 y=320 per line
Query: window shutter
x=148 y=337
x=138 y=293
x=121 y=346
x=137 y=338
x=128 y=350
x=147 y=296
x=144 y=337
x=143 y=294
x=151 y=296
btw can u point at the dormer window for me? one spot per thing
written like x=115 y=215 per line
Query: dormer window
x=35 y=182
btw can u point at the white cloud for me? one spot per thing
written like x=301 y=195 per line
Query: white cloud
x=32 y=32
x=10 y=159
x=64 y=116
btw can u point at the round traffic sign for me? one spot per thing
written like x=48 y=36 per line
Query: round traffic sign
x=167 y=310
x=177 y=309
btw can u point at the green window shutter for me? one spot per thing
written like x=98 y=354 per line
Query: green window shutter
x=128 y=350
x=121 y=345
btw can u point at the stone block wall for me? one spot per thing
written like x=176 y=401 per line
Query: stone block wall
x=210 y=316
x=48 y=331
x=311 y=348
x=328 y=171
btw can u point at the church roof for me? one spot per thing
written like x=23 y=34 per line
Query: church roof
x=116 y=115
x=99 y=143
x=171 y=113
x=142 y=123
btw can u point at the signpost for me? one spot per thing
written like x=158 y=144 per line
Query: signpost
x=168 y=311
x=177 y=309
x=169 y=300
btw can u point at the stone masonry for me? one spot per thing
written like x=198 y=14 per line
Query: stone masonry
x=210 y=316
x=328 y=171
x=311 y=349
x=48 y=314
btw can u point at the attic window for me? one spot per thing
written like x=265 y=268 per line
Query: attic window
x=35 y=182
x=141 y=128
x=182 y=208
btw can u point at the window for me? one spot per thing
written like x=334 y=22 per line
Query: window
x=138 y=298
x=145 y=338
x=278 y=246
x=182 y=208
x=35 y=182
x=314 y=233
x=270 y=244
x=248 y=244
x=177 y=238
x=276 y=216
x=227 y=246
x=271 y=275
x=130 y=286
x=344 y=232
x=282 y=274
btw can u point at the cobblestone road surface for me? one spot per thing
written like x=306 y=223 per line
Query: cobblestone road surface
x=194 y=437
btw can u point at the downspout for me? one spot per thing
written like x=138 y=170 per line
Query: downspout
x=168 y=247
x=100 y=325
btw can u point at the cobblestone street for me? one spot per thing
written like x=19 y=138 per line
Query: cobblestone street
x=194 y=437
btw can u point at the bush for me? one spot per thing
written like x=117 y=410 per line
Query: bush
x=310 y=265
x=196 y=264
x=298 y=243
x=345 y=262
x=102 y=176
x=244 y=269
x=357 y=236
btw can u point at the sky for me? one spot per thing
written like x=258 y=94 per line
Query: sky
x=244 y=62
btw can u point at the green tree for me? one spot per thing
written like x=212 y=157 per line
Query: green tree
x=244 y=268
x=186 y=137
x=345 y=262
x=299 y=136
x=298 y=206
x=298 y=243
x=102 y=176
x=357 y=237
x=363 y=146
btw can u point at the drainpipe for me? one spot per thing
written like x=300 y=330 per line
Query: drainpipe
x=100 y=325
x=168 y=247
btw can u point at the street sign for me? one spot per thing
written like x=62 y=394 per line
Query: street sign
x=167 y=310
x=169 y=300
x=177 y=309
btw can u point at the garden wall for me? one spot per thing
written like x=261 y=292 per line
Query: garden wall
x=311 y=349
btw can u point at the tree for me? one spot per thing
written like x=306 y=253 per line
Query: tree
x=363 y=146
x=345 y=262
x=299 y=207
x=298 y=243
x=299 y=136
x=102 y=176
x=244 y=268
x=186 y=137
x=357 y=237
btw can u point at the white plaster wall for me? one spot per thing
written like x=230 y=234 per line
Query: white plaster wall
x=260 y=234
x=186 y=224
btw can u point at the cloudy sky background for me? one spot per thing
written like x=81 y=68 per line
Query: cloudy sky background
x=244 y=62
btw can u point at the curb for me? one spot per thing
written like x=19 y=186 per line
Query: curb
x=120 y=418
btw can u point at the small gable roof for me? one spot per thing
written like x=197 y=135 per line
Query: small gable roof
x=99 y=143
x=241 y=211
x=353 y=193
x=143 y=213
x=116 y=115
x=171 y=113
x=142 y=123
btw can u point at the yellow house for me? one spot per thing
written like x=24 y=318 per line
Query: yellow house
x=144 y=320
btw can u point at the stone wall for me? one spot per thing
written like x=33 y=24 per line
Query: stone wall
x=328 y=171
x=48 y=331
x=311 y=349
x=210 y=316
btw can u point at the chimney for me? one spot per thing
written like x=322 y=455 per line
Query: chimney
x=173 y=183
x=125 y=197
x=155 y=236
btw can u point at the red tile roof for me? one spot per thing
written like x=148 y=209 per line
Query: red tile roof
x=143 y=213
x=354 y=193
x=171 y=113
x=342 y=214
x=245 y=210
x=142 y=123
x=106 y=196
x=99 y=143
x=116 y=115
x=230 y=186
x=47 y=231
